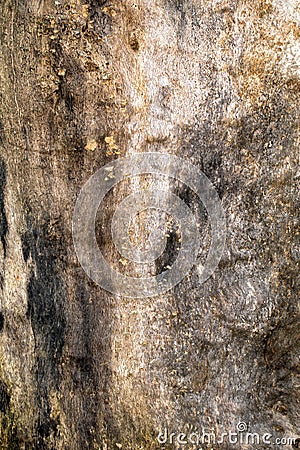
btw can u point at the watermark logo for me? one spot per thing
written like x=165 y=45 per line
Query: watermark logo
x=98 y=186
x=242 y=435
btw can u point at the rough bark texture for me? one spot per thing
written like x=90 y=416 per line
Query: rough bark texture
x=82 y=83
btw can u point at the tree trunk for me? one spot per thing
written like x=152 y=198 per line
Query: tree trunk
x=83 y=84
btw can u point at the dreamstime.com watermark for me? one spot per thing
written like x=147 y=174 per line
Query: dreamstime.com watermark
x=207 y=437
x=92 y=195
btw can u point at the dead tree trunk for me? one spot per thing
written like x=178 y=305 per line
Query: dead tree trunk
x=82 y=84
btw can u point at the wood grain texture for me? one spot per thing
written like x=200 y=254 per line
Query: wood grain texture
x=83 y=83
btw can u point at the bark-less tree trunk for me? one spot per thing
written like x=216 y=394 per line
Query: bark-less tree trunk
x=83 y=83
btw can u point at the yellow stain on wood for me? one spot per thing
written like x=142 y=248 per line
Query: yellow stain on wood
x=112 y=146
x=91 y=145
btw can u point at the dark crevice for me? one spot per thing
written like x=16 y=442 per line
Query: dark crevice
x=1 y=321
x=2 y=133
x=4 y=397
x=46 y=295
x=3 y=218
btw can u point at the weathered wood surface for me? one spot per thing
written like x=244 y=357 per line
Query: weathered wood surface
x=82 y=83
